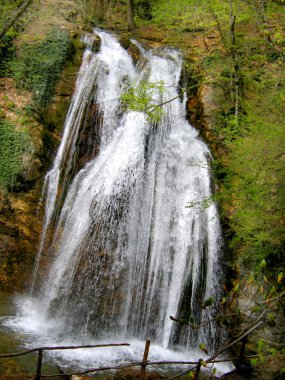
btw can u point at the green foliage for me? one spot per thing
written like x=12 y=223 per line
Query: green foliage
x=7 y=51
x=38 y=66
x=143 y=9
x=214 y=370
x=251 y=174
x=7 y=7
x=263 y=350
x=13 y=144
x=253 y=362
x=145 y=97
x=258 y=171
x=181 y=14
x=200 y=206
x=198 y=15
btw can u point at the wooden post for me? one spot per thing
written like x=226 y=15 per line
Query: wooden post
x=145 y=355
x=242 y=350
x=39 y=365
x=198 y=369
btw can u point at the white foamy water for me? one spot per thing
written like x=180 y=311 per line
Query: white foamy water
x=40 y=331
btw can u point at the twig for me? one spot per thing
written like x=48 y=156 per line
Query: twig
x=234 y=342
x=213 y=357
x=153 y=107
x=276 y=300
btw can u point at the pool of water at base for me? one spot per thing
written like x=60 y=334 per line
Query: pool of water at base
x=14 y=339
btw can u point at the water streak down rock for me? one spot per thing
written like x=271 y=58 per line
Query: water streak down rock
x=126 y=252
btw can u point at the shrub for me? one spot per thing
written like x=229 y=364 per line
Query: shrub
x=38 y=66
x=13 y=144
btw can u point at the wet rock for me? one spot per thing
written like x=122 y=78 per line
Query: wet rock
x=273 y=370
x=33 y=168
x=93 y=42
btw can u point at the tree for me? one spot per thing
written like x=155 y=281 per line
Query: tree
x=131 y=13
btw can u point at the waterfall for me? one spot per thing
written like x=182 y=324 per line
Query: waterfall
x=126 y=253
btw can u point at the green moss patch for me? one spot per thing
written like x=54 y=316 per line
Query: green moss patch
x=39 y=65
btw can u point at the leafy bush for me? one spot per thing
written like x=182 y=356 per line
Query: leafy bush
x=7 y=51
x=13 y=144
x=253 y=188
x=38 y=66
x=257 y=165
x=188 y=15
x=143 y=9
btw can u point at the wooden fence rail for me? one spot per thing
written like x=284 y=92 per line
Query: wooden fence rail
x=195 y=365
x=54 y=348
x=40 y=351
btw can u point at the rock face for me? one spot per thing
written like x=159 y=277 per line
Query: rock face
x=18 y=238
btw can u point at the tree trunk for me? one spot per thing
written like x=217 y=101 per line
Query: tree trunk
x=131 y=12
x=15 y=17
x=280 y=2
x=235 y=59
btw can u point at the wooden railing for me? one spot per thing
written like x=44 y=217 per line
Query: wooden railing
x=40 y=351
x=195 y=365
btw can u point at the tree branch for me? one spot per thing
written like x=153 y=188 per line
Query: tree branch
x=15 y=17
x=280 y=2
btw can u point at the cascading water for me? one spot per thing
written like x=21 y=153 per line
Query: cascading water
x=126 y=252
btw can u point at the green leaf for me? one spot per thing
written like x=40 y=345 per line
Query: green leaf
x=203 y=348
x=236 y=288
x=209 y=302
x=145 y=97
x=265 y=279
x=280 y=277
x=255 y=309
x=13 y=144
